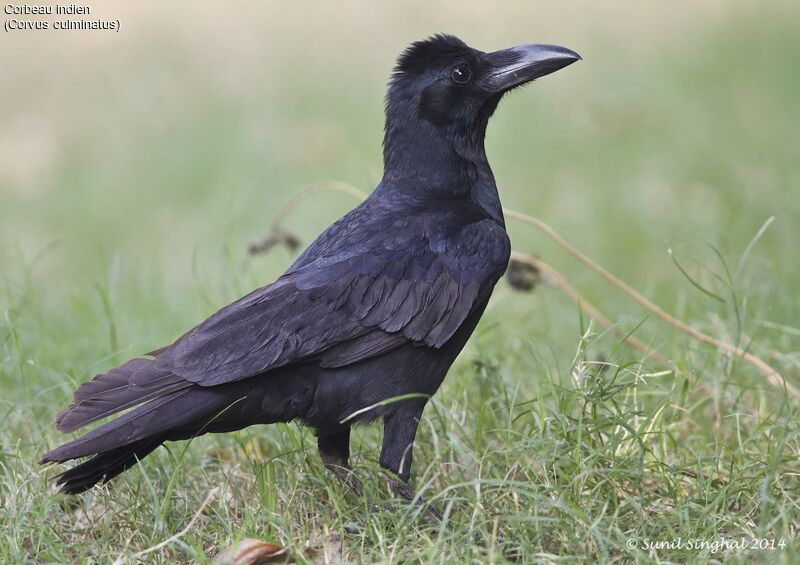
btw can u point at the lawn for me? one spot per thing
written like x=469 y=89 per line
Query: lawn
x=134 y=173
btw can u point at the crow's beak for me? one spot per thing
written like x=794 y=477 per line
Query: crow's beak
x=518 y=65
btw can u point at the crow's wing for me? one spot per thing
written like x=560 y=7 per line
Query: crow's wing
x=369 y=292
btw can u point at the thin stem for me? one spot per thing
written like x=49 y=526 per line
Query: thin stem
x=771 y=374
x=211 y=494
x=560 y=282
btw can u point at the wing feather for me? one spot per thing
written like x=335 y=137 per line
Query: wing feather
x=350 y=302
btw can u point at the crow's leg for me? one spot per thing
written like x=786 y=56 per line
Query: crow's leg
x=334 y=450
x=399 y=429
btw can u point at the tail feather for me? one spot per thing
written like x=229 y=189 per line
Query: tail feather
x=123 y=387
x=155 y=417
x=92 y=409
x=163 y=407
x=105 y=466
x=116 y=378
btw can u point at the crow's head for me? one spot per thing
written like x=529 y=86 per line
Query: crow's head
x=441 y=87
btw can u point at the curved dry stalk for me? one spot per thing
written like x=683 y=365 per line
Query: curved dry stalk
x=560 y=282
x=211 y=494
x=775 y=378
x=275 y=234
x=334 y=186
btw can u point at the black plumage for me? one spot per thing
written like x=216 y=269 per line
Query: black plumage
x=377 y=307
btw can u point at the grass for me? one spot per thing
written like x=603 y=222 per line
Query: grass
x=549 y=441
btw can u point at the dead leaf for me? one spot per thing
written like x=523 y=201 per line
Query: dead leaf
x=251 y=551
x=277 y=236
x=522 y=276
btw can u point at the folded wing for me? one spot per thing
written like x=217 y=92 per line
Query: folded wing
x=346 y=303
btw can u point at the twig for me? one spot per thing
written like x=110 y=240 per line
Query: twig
x=564 y=286
x=778 y=356
x=292 y=203
x=212 y=493
x=771 y=374
x=275 y=234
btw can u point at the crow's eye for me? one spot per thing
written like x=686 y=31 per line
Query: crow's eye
x=461 y=74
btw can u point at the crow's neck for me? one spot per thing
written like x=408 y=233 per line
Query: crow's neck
x=431 y=164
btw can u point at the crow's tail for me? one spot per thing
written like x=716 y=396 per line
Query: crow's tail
x=131 y=384
x=105 y=466
x=165 y=407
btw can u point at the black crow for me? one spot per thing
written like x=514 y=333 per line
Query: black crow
x=378 y=307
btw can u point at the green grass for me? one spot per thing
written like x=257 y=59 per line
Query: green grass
x=549 y=441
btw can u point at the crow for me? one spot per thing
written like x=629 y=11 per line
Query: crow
x=366 y=323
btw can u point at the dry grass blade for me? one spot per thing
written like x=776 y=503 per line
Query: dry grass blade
x=276 y=235
x=559 y=281
x=211 y=494
x=774 y=378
